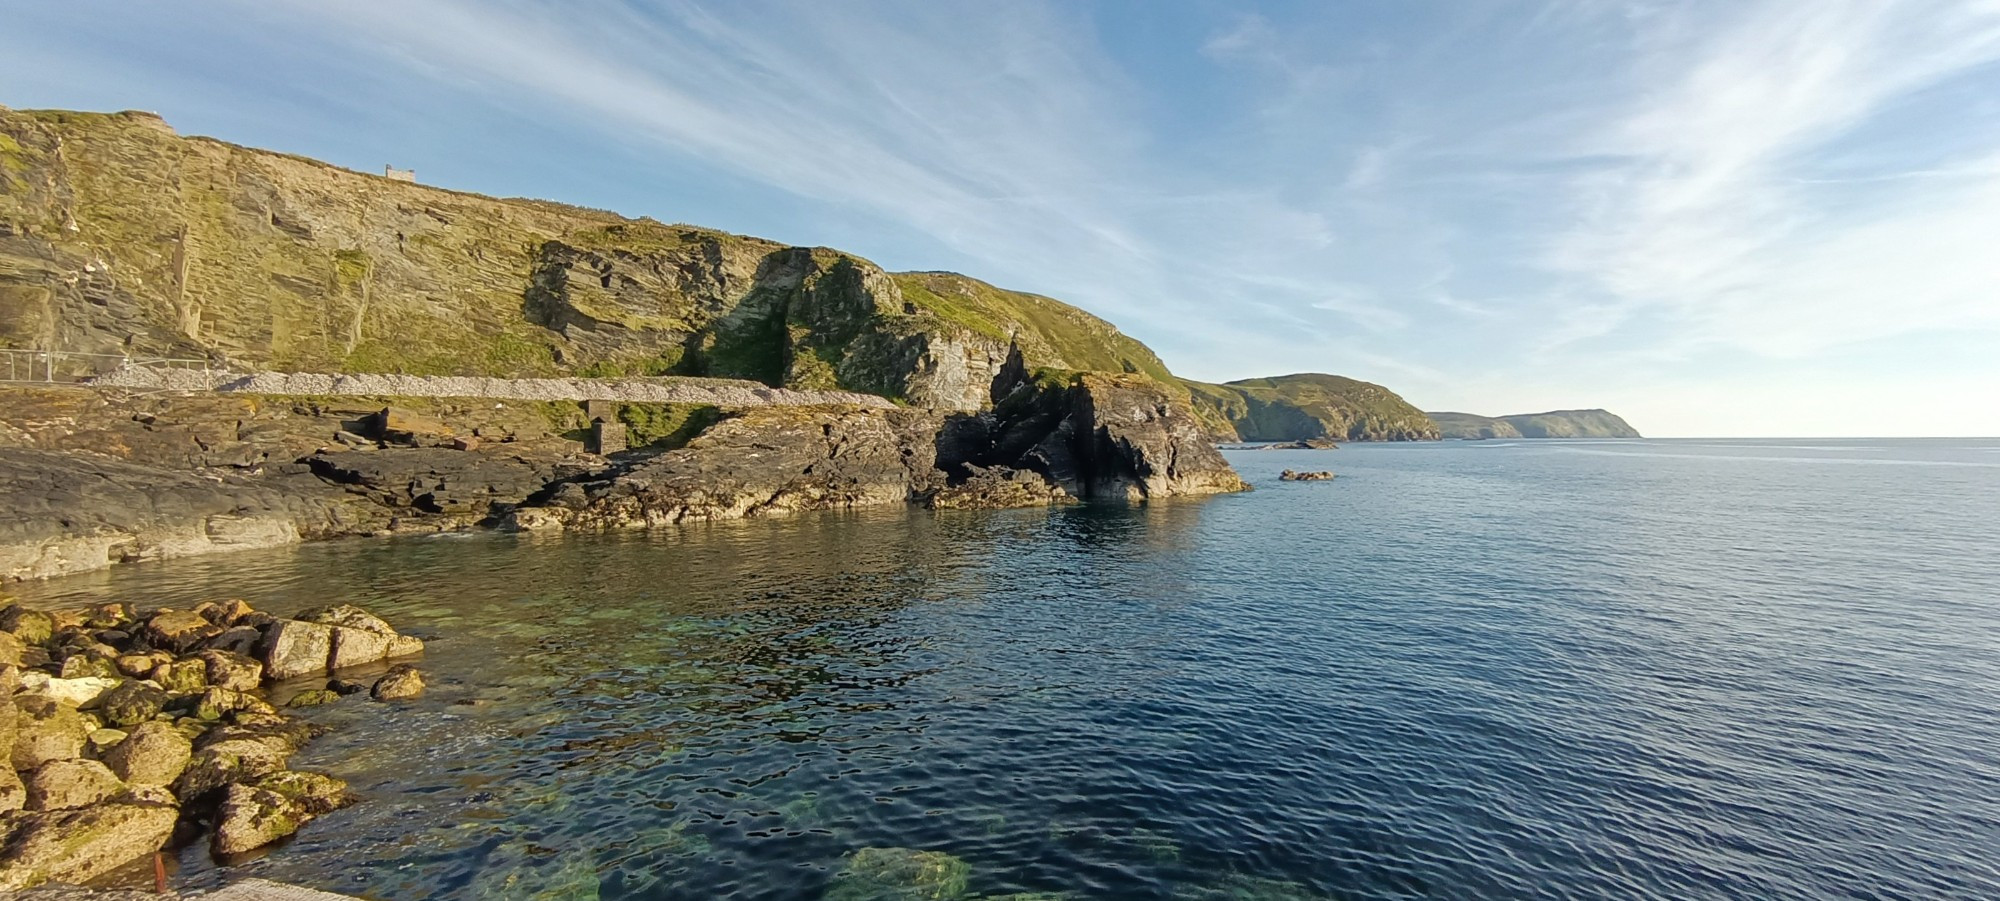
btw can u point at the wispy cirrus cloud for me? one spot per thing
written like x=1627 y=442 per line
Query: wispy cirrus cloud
x=1706 y=214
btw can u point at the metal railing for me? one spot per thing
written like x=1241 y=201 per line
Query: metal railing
x=72 y=367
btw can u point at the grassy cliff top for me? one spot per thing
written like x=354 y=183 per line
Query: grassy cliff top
x=1073 y=339
x=1553 y=424
x=1308 y=405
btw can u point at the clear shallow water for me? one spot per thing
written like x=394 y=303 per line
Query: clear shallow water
x=1703 y=669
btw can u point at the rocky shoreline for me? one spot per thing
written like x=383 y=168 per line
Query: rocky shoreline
x=131 y=731
x=92 y=478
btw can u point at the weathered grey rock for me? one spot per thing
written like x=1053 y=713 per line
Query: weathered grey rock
x=762 y=462
x=13 y=792
x=86 y=666
x=357 y=647
x=403 y=682
x=1096 y=435
x=140 y=666
x=30 y=626
x=347 y=615
x=228 y=669
x=81 y=693
x=295 y=648
x=181 y=677
x=217 y=703
x=220 y=764
x=131 y=703
x=179 y=631
x=258 y=812
x=238 y=639
x=11 y=649
x=111 y=615
x=47 y=731
x=62 y=784
x=313 y=698
x=103 y=740
x=63 y=513
x=80 y=844
x=154 y=753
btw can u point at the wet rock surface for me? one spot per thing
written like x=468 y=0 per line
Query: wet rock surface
x=104 y=769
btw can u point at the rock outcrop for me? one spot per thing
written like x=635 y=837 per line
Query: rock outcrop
x=1553 y=424
x=761 y=462
x=119 y=236
x=1090 y=434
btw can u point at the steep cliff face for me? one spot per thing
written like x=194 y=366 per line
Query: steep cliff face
x=1308 y=405
x=1553 y=424
x=119 y=236
x=1091 y=434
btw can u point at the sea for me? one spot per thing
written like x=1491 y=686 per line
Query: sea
x=1670 y=669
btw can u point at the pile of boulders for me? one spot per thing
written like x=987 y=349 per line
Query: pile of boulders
x=125 y=727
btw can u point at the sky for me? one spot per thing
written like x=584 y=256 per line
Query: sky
x=1714 y=217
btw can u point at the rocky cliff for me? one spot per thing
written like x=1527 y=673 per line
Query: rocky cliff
x=1305 y=406
x=1553 y=424
x=119 y=236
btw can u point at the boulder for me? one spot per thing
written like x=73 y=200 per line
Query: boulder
x=345 y=686
x=47 y=731
x=228 y=669
x=82 y=692
x=236 y=639
x=1291 y=475
x=179 y=630
x=356 y=647
x=11 y=649
x=153 y=754
x=313 y=698
x=220 y=764
x=30 y=626
x=282 y=734
x=899 y=874
x=112 y=615
x=139 y=666
x=403 y=682
x=86 y=666
x=81 y=844
x=347 y=615
x=182 y=677
x=131 y=703
x=216 y=703
x=103 y=740
x=13 y=793
x=295 y=648
x=258 y=812
x=62 y=784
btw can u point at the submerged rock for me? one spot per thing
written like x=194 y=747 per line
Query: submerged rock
x=258 y=812
x=1296 y=476
x=313 y=698
x=899 y=874
x=403 y=682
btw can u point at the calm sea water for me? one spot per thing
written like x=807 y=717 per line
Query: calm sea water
x=1658 y=669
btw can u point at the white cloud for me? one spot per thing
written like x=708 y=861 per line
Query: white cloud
x=1706 y=220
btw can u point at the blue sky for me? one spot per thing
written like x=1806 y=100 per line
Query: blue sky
x=1716 y=217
